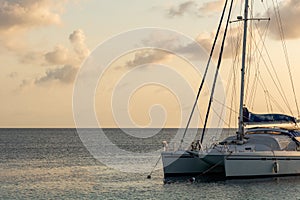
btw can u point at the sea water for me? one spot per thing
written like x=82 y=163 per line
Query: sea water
x=55 y=164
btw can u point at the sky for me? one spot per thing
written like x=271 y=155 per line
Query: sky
x=44 y=44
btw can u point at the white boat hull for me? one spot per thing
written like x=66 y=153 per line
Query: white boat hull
x=256 y=164
x=232 y=165
x=261 y=154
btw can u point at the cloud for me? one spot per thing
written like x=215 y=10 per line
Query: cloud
x=181 y=8
x=18 y=17
x=205 y=40
x=66 y=61
x=211 y=7
x=163 y=40
x=70 y=59
x=289 y=13
x=32 y=57
x=22 y=14
x=77 y=38
x=65 y=74
x=59 y=55
x=189 y=50
x=25 y=83
x=13 y=75
x=191 y=7
x=156 y=39
x=232 y=43
x=143 y=57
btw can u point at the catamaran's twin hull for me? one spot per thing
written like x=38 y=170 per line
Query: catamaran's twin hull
x=183 y=163
x=262 y=164
x=232 y=165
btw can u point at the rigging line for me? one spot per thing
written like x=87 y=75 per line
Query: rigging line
x=252 y=93
x=220 y=118
x=281 y=91
x=280 y=34
x=205 y=73
x=273 y=68
x=227 y=89
x=265 y=92
x=232 y=80
x=250 y=60
x=216 y=73
x=229 y=108
x=231 y=73
x=287 y=57
x=270 y=103
x=235 y=64
x=230 y=113
x=253 y=90
x=257 y=71
x=234 y=89
x=279 y=88
x=266 y=6
x=219 y=115
x=278 y=20
x=249 y=98
x=253 y=87
x=236 y=57
x=276 y=103
x=262 y=83
x=235 y=47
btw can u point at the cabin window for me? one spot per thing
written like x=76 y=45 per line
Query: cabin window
x=248 y=148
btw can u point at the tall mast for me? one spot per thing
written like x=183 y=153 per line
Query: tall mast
x=241 y=120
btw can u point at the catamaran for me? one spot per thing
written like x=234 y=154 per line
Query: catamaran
x=260 y=147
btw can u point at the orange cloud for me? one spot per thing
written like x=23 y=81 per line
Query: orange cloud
x=20 y=16
x=289 y=13
x=65 y=74
x=77 y=38
x=192 y=7
x=59 y=55
x=181 y=8
x=28 y=13
x=66 y=61
x=144 y=57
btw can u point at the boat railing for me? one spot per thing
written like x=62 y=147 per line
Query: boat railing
x=175 y=146
x=195 y=145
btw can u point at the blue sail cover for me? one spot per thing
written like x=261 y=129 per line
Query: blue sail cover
x=251 y=117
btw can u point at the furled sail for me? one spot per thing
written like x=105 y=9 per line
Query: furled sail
x=272 y=118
